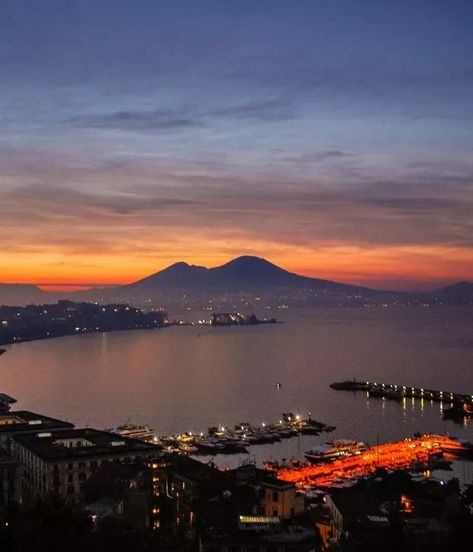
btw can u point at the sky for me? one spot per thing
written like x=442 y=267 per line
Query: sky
x=332 y=137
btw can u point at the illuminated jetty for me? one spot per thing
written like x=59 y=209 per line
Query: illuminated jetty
x=407 y=454
x=398 y=392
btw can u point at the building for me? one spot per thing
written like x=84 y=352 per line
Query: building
x=122 y=490
x=59 y=462
x=23 y=421
x=262 y=534
x=9 y=479
x=277 y=498
x=226 y=510
x=186 y=489
x=394 y=509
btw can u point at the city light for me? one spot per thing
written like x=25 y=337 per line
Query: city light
x=396 y=455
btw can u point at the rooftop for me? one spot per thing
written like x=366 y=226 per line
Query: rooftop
x=23 y=420
x=249 y=473
x=193 y=469
x=80 y=443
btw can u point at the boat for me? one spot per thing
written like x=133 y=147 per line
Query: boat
x=332 y=450
x=140 y=432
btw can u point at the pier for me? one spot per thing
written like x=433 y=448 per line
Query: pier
x=399 y=392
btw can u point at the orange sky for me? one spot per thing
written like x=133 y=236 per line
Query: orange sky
x=124 y=150
x=401 y=267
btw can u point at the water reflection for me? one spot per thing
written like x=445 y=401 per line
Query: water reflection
x=174 y=382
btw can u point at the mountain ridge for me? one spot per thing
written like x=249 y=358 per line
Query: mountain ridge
x=245 y=274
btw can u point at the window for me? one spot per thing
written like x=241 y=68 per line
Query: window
x=70 y=466
x=275 y=496
x=70 y=478
x=70 y=489
x=82 y=476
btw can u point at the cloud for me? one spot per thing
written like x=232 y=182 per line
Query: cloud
x=317 y=156
x=130 y=203
x=265 y=111
x=137 y=120
x=184 y=118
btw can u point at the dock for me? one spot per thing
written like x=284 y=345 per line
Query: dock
x=395 y=392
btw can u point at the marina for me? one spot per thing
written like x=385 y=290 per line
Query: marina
x=422 y=452
x=227 y=440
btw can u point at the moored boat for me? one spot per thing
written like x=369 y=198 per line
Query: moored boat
x=333 y=450
x=141 y=432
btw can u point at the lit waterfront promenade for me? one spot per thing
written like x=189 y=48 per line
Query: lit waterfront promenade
x=394 y=456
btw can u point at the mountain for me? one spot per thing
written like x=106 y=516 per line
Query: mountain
x=242 y=274
x=21 y=294
x=250 y=282
x=460 y=293
x=253 y=280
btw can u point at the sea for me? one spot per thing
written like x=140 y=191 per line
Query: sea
x=188 y=378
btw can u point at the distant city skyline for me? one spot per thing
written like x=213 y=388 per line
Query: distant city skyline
x=333 y=138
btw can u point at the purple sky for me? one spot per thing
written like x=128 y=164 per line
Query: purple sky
x=334 y=137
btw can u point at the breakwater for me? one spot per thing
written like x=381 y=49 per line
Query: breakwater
x=398 y=392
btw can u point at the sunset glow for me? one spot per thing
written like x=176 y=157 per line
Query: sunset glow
x=285 y=137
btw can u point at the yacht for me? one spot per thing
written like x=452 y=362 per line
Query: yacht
x=143 y=432
x=333 y=450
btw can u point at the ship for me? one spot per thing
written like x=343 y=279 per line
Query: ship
x=140 y=432
x=332 y=450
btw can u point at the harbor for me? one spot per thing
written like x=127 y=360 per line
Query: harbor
x=229 y=440
x=420 y=453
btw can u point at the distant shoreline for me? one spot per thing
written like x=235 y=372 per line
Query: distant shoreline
x=70 y=334
x=170 y=324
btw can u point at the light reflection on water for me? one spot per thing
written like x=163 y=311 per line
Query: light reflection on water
x=189 y=378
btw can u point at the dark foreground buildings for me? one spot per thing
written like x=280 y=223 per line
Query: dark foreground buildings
x=83 y=489
x=166 y=501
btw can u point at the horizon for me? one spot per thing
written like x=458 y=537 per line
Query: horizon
x=214 y=211
x=335 y=138
x=400 y=286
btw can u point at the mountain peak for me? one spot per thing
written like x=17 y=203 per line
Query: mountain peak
x=248 y=261
x=177 y=266
x=244 y=273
